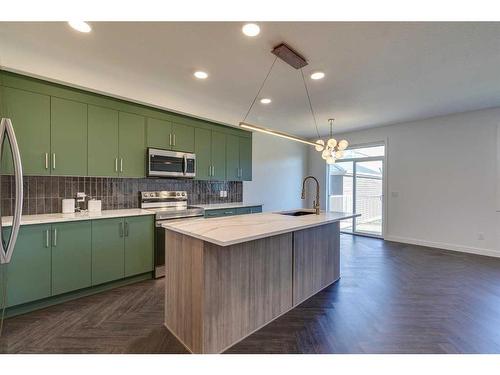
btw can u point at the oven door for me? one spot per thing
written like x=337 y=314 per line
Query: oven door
x=165 y=163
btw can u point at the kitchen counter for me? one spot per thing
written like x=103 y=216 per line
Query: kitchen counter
x=77 y=216
x=223 y=206
x=225 y=231
x=227 y=277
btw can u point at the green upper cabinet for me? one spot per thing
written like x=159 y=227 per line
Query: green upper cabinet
x=139 y=242
x=102 y=141
x=132 y=145
x=68 y=122
x=203 y=151
x=28 y=273
x=218 y=156
x=245 y=159
x=71 y=256
x=233 y=158
x=159 y=133
x=182 y=137
x=30 y=115
x=108 y=261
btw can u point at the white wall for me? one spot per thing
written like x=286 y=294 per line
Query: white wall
x=444 y=171
x=278 y=168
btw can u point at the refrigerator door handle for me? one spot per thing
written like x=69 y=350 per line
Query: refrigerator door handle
x=7 y=131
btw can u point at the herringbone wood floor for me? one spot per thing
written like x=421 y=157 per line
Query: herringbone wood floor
x=392 y=298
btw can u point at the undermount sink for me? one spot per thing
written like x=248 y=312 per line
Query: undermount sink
x=297 y=213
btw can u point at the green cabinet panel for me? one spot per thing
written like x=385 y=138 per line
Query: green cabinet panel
x=232 y=158
x=203 y=151
x=108 y=261
x=139 y=242
x=30 y=115
x=71 y=256
x=244 y=210
x=132 y=148
x=28 y=273
x=68 y=125
x=245 y=159
x=255 y=209
x=218 y=156
x=102 y=141
x=182 y=138
x=158 y=133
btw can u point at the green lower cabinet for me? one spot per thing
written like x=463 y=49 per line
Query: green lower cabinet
x=71 y=256
x=243 y=210
x=28 y=273
x=256 y=209
x=139 y=242
x=108 y=260
x=232 y=211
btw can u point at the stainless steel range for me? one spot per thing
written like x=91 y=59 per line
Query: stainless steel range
x=167 y=205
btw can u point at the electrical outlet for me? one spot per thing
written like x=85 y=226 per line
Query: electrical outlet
x=480 y=236
x=221 y=194
x=225 y=193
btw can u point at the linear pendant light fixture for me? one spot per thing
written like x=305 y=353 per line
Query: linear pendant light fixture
x=296 y=61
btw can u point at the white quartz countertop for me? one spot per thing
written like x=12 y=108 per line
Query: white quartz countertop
x=230 y=230
x=77 y=216
x=222 y=206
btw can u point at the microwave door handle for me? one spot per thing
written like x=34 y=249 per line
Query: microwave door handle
x=184 y=164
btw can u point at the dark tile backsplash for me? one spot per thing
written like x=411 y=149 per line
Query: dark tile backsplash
x=44 y=194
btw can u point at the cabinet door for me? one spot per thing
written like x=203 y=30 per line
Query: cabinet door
x=108 y=262
x=30 y=115
x=71 y=256
x=246 y=158
x=28 y=273
x=182 y=138
x=218 y=156
x=139 y=242
x=203 y=151
x=159 y=133
x=102 y=141
x=131 y=145
x=68 y=133
x=232 y=158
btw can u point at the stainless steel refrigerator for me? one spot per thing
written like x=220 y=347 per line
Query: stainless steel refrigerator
x=8 y=242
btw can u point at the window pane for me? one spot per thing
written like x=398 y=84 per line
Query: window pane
x=341 y=189
x=364 y=152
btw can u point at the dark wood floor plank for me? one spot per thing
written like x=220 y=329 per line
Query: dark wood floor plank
x=391 y=298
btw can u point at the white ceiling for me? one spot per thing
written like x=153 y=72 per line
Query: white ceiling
x=376 y=73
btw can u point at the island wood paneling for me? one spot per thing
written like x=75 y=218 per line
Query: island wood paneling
x=215 y=296
x=184 y=289
x=246 y=286
x=316 y=260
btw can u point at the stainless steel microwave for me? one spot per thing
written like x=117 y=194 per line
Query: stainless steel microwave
x=165 y=163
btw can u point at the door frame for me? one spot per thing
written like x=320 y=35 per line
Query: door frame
x=384 y=185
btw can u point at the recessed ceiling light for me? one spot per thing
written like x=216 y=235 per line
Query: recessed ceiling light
x=265 y=100
x=80 y=26
x=251 y=29
x=317 y=75
x=200 y=75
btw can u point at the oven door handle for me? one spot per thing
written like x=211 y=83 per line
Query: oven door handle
x=184 y=164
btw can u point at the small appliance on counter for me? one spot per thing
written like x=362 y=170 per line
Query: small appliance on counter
x=167 y=205
x=94 y=205
x=68 y=206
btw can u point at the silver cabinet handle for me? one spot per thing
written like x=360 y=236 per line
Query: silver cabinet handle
x=116 y=164
x=170 y=139
x=46 y=160
x=121 y=164
x=126 y=229
x=174 y=140
x=54 y=240
x=47 y=243
x=121 y=229
x=54 y=160
x=213 y=170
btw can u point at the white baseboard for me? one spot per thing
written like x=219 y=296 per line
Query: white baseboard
x=445 y=246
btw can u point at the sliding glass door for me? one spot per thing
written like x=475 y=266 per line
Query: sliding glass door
x=355 y=184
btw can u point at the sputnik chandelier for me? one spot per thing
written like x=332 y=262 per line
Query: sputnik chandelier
x=331 y=150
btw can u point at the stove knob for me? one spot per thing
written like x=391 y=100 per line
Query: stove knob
x=183 y=193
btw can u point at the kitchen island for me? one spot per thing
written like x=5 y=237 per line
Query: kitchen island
x=227 y=277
